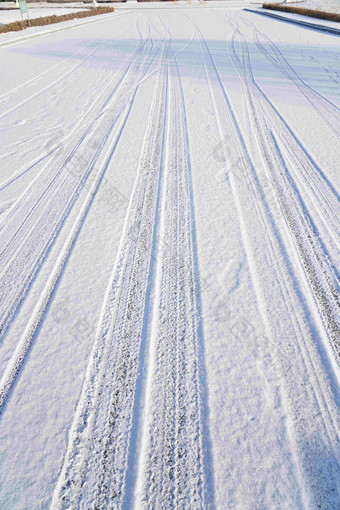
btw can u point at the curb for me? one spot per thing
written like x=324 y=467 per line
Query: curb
x=46 y=32
x=306 y=24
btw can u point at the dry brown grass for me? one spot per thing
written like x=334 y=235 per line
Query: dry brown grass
x=313 y=13
x=49 y=20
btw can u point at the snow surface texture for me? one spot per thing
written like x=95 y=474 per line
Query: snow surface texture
x=169 y=255
x=322 y=5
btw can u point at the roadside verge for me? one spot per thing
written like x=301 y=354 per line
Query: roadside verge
x=292 y=19
x=16 y=26
x=66 y=26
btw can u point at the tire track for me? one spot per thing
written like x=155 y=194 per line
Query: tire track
x=9 y=95
x=43 y=143
x=292 y=348
x=323 y=196
x=318 y=269
x=22 y=348
x=62 y=77
x=95 y=469
x=14 y=366
x=54 y=146
x=172 y=473
x=326 y=110
x=21 y=257
x=61 y=159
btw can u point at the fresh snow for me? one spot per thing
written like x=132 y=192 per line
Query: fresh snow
x=169 y=263
x=322 y=5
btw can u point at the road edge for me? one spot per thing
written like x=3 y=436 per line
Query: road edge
x=305 y=24
x=46 y=32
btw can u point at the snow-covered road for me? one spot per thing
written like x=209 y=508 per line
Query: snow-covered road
x=169 y=263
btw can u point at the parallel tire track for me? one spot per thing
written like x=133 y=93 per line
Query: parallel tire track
x=15 y=363
x=95 y=468
x=23 y=346
x=9 y=95
x=21 y=257
x=329 y=113
x=324 y=198
x=52 y=145
x=319 y=272
x=70 y=143
x=172 y=464
x=59 y=78
x=322 y=194
x=295 y=355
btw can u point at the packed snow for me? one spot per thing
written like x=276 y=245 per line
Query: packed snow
x=169 y=263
